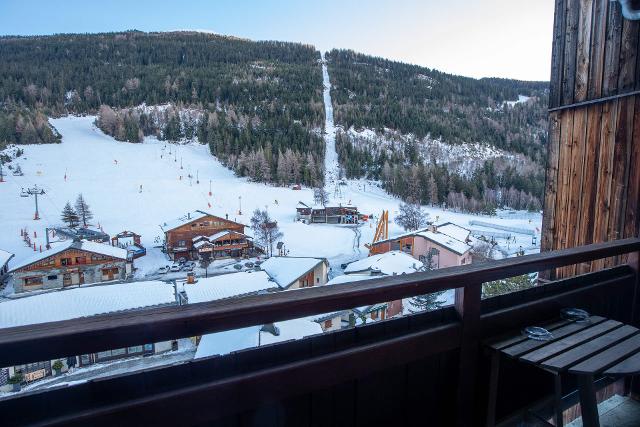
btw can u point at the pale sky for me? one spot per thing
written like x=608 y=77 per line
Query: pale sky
x=476 y=38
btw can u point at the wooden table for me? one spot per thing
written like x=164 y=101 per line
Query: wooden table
x=588 y=349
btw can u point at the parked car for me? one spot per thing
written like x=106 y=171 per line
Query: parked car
x=248 y=264
x=237 y=266
x=175 y=267
x=163 y=270
x=257 y=263
x=188 y=267
x=182 y=260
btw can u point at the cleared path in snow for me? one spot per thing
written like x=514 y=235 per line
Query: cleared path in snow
x=331 y=166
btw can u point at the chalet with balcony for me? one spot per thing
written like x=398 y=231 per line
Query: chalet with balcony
x=443 y=245
x=72 y=263
x=201 y=234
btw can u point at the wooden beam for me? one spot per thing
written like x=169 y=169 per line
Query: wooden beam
x=38 y=342
x=467 y=304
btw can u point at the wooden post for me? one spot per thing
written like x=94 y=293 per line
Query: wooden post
x=633 y=384
x=467 y=304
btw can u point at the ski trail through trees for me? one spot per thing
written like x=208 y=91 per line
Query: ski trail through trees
x=331 y=167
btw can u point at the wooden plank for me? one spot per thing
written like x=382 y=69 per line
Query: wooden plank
x=612 y=50
x=618 y=183
x=564 y=162
x=588 y=349
x=605 y=176
x=577 y=155
x=582 y=50
x=97 y=333
x=530 y=345
x=609 y=357
x=551 y=184
x=503 y=343
x=555 y=347
x=596 y=61
x=632 y=214
x=586 y=219
x=570 y=54
x=557 y=54
x=629 y=148
x=629 y=366
x=628 y=55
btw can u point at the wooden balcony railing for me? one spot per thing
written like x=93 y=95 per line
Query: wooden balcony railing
x=208 y=389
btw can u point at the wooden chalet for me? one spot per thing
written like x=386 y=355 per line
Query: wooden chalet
x=335 y=215
x=199 y=233
x=443 y=245
x=131 y=242
x=438 y=367
x=73 y=262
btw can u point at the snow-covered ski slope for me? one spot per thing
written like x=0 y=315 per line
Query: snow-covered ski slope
x=110 y=174
x=331 y=167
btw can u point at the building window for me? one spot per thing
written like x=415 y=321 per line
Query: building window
x=374 y=314
x=97 y=257
x=328 y=324
x=148 y=347
x=52 y=277
x=182 y=243
x=317 y=280
x=135 y=349
x=81 y=260
x=65 y=261
x=33 y=281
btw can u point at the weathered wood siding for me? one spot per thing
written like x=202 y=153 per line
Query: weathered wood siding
x=593 y=167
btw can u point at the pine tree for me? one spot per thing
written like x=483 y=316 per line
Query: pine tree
x=428 y=302
x=69 y=216
x=82 y=210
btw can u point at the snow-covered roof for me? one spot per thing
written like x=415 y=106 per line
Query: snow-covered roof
x=446 y=241
x=228 y=285
x=447 y=235
x=5 y=257
x=83 y=302
x=239 y=339
x=286 y=270
x=302 y=205
x=82 y=245
x=389 y=263
x=224 y=233
x=185 y=219
x=454 y=230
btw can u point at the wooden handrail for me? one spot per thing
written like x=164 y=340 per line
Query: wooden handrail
x=38 y=342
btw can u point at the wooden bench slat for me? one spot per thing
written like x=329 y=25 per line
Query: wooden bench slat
x=629 y=366
x=609 y=357
x=588 y=349
x=528 y=344
x=570 y=341
x=508 y=340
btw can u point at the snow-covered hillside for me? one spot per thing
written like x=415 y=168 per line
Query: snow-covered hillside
x=464 y=159
x=139 y=186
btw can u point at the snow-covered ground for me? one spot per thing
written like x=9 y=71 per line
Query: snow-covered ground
x=110 y=175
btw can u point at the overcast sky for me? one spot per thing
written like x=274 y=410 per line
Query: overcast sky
x=477 y=38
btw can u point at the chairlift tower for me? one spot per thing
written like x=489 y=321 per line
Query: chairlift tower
x=1 y=172
x=35 y=192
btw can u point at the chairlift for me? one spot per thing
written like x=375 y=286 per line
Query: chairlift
x=23 y=193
